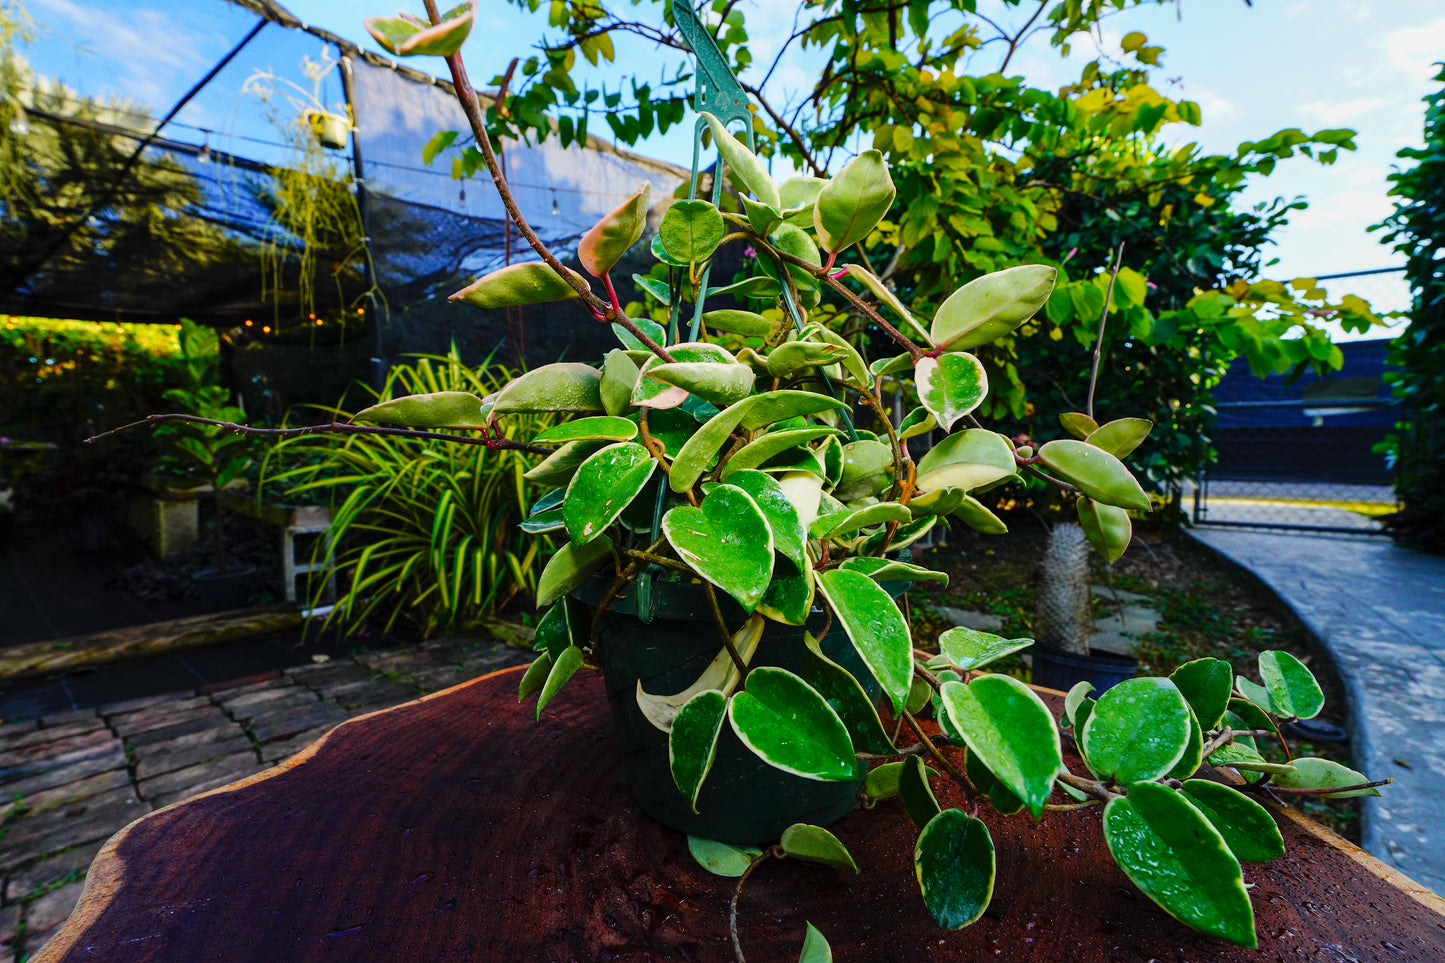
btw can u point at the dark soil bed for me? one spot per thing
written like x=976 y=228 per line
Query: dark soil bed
x=1207 y=607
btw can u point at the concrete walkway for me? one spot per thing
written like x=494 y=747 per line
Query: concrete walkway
x=69 y=781
x=1379 y=610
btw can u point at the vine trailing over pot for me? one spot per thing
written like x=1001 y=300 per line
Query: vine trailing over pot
x=724 y=453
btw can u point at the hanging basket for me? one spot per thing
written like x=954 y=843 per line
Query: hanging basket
x=330 y=130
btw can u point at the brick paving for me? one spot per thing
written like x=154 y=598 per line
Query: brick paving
x=69 y=781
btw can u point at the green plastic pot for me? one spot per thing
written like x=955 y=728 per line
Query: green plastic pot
x=744 y=800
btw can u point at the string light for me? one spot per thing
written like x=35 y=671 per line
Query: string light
x=318 y=322
x=360 y=310
x=265 y=329
x=248 y=322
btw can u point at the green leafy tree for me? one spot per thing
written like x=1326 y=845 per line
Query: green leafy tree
x=1417 y=229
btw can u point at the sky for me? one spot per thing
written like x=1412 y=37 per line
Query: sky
x=1312 y=64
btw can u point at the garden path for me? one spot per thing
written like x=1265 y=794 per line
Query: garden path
x=68 y=781
x=1379 y=611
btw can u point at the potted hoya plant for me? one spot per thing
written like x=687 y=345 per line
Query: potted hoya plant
x=735 y=501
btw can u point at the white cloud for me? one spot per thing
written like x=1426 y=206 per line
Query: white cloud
x=1213 y=107
x=1347 y=210
x=1334 y=112
x=1417 y=49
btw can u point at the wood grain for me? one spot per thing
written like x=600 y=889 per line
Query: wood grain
x=455 y=828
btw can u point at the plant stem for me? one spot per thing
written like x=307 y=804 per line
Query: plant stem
x=914 y=351
x=733 y=908
x=1093 y=787
x=1327 y=790
x=722 y=629
x=938 y=757
x=1118 y=260
x=332 y=428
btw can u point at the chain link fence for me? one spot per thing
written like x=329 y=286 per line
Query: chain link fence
x=1301 y=455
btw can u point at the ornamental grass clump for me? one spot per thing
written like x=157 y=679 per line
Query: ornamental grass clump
x=749 y=452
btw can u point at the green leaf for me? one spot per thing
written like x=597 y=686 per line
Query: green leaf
x=814 y=844
x=890 y=570
x=845 y=694
x=553 y=634
x=599 y=428
x=1314 y=773
x=721 y=674
x=692 y=743
x=648 y=327
x=691 y=230
x=745 y=323
x=570 y=567
x=722 y=859
x=989 y=307
x=406 y=39
x=1205 y=685
x=774 y=406
x=972 y=513
x=1180 y=861
x=954 y=861
x=566 y=386
x=800 y=191
x=875 y=626
x=530 y=283
x=838 y=524
x=722 y=384
x=787 y=359
x=1243 y=756
x=1119 y=438
x=1077 y=695
x=751 y=413
x=919 y=421
x=815 y=947
x=789 y=598
x=1095 y=472
x=1243 y=714
x=1001 y=797
x=604 y=485
x=950 y=386
x=439 y=142
x=1247 y=828
x=440 y=409
x=1193 y=755
x=773 y=443
x=1255 y=693
x=726 y=540
x=756 y=288
x=967 y=459
x=603 y=245
x=917 y=795
x=1292 y=687
x=619 y=375
x=535 y=677
x=850 y=205
x=1107 y=528
x=1138 y=730
x=1078 y=424
x=971 y=649
x=788 y=725
x=882 y=782
x=1012 y=731
x=880 y=291
x=762 y=218
x=867 y=470
x=559 y=467
x=743 y=162
x=789 y=537
x=905 y=536
x=561 y=671
x=658 y=393
x=658 y=289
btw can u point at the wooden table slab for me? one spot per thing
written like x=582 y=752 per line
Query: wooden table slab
x=456 y=828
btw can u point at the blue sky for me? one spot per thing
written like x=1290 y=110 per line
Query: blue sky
x=1312 y=64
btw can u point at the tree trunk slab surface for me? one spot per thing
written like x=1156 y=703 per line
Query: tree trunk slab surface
x=457 y=828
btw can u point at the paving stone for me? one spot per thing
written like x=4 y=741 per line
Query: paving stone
x=54 y=749
x=48 y=735
x=282 y=725
x=266 y=703
x=66 y=718
x=53 y=908
x=188 y=751
x=437 y=678
x=9 y=923
x=44 y=873
x=64 y=794
x=245 y=682
x=22 y=847
x=47 y=773
x=275 y=752
x=329 y=673
x=156 y=716
x=980 y=621
x=201 y=723
x=9 y=729
x=226 y=768
x=132 y=705
x=166 y=799
x=371 y=692
x=396 y=661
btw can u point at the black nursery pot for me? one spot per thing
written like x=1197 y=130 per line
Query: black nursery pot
x=1062 y=670
x=744 y=800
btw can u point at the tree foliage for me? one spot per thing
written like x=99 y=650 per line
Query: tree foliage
x=993 y=171
x=1417 y=229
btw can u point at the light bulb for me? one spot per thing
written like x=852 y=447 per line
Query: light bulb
x=19 y=126
x=204 y=155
